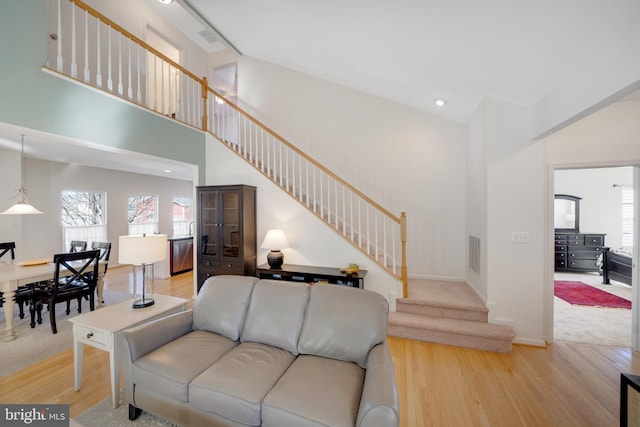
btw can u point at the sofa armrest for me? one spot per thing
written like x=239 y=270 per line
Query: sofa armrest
x=143 y=339
x=379 y=402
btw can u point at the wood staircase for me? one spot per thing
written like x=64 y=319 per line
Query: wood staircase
x=447 y=313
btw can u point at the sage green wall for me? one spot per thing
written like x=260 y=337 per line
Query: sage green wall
x=32 y=98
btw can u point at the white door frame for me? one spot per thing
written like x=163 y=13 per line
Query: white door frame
x=549 y=247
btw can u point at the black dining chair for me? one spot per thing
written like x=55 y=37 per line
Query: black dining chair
x=23 y=294
x=8 y=247
x=78 y=246
x=75 y=276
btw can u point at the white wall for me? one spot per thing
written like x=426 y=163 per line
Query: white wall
x=515 y=182
x=312 y=241
x=476 y=198
x=41 y=235
x=402 y=158
x=601 y=204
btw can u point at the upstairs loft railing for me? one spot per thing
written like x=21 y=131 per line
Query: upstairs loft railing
x=92 y=49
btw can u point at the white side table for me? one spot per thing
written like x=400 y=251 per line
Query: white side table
x=100 y=327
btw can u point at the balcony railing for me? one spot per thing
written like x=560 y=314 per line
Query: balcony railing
x=90 y=48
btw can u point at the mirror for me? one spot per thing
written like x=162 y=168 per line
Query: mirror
x=566 y=213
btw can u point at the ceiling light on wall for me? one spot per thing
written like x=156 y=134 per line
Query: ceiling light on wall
x=165 y=1
x=440 y=102
x=22 y=206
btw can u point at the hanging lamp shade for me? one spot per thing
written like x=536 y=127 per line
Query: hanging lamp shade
x=22 y=206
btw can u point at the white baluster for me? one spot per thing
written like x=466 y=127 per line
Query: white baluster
x=109 y=63
x=120 y=86
x=138 y=73
x=129 y=88
x=74 y=65
x=359 y=221
x=376 y=233
x=59 y=60
x=162 y=91
x=98 y=59
x=86 y=47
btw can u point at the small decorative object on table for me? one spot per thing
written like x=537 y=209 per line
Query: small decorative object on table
x=351 y=269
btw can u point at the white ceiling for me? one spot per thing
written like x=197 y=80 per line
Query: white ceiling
x=414 y=51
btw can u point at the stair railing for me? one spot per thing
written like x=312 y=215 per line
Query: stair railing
x=90 y=48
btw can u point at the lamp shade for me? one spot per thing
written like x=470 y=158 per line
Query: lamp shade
x=21 y=208
x=275 y=240
x=142 y=249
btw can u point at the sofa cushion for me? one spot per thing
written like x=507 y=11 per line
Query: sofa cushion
x=315 y=391
x=169 y=369
x=235 y=385
x=221 y=305
x=276 y=313
x=343 y=323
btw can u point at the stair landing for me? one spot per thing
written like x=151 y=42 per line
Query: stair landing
x=450 y=313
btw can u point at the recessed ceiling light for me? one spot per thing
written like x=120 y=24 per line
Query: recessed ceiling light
x=440 y=102
x=165 y=1
x=168 y=171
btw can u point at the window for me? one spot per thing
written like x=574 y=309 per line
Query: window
x=143 y=214
x=182 y=216
x=627 y=216
x=83 y=217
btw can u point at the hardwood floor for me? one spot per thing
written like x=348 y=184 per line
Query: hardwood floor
x=563 y=385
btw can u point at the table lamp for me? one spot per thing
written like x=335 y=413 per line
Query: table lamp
x=275 y=240
x=142 y=251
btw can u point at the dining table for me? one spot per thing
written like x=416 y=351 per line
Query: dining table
x=16 y=273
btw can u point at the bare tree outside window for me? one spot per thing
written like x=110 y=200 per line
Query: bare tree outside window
x=82 y=208
x=142 y=214
x=83 y=217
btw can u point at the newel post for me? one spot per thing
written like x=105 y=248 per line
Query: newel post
x=205 y=94
x=403 y=267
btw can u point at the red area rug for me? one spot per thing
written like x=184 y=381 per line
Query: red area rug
x=578 y=293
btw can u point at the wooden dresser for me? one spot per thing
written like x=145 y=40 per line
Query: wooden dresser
x=578 y=251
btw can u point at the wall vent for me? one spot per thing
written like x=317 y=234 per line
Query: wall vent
x=474 y=254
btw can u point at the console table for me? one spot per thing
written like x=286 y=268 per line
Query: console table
x=309 y=274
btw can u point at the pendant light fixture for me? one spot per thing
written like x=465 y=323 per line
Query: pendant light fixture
x=22 y=206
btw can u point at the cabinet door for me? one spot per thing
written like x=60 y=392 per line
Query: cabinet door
x=230 y=224
x=209 y=225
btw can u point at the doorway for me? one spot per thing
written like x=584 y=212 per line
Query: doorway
x=606 y=209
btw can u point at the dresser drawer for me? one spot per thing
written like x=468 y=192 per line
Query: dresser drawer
x=88 y=334
x=233 y=266
x=578 y=254
x=593 y=240
x=585 y=264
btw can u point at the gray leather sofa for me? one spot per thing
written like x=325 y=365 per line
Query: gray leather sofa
x=265 y=353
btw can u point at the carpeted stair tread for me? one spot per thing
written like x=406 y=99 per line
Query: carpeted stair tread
x=459 y=305
x=454 y=326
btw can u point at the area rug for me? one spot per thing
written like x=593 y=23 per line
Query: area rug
x=578 y=293
x=34 y=345
x=103 y=415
